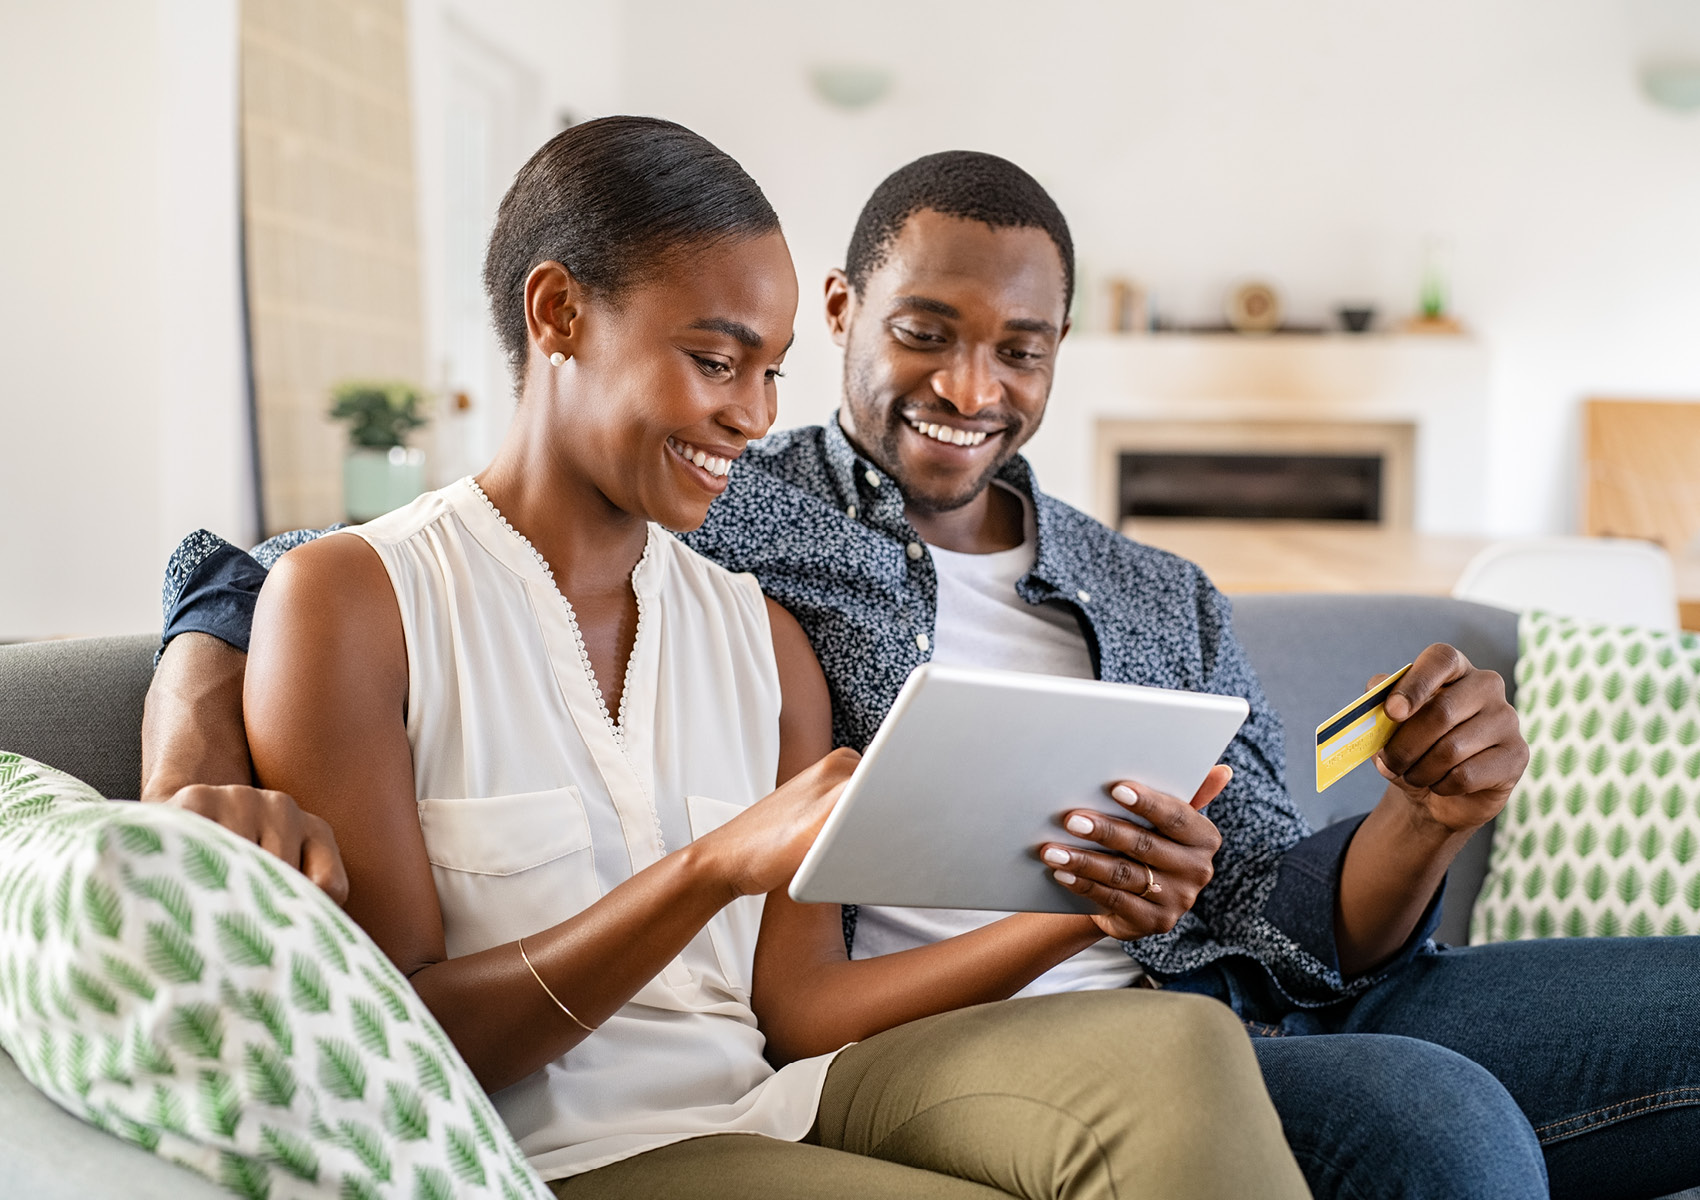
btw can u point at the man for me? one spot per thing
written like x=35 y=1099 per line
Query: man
x=910 y=528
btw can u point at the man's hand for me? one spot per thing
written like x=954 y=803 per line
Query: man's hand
x=274 y=822
x=1144 y=879
x=1459 y=751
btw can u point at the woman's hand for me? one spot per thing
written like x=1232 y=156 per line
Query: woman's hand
x=1145 y=879
x=274 y=822
x=760 y=849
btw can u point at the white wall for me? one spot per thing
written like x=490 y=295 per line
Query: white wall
x=121 y=416
x=1317 y=144
x=556 y=59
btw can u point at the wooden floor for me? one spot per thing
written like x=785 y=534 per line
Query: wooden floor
x=1306 y=556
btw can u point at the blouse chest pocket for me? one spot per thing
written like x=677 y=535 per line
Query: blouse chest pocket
x=506 y=866
x=734 y=928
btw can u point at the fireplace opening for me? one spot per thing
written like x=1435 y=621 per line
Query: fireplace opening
x=1234 y=486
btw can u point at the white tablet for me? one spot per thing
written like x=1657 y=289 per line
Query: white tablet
x=972 y=770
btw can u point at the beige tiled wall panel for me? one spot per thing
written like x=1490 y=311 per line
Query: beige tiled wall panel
x=333 y=253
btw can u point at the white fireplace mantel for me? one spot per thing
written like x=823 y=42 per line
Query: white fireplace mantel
x=1437 y=384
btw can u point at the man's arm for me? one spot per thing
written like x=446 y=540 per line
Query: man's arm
x=194 y=744
x=1451 y=766
x=192 y=721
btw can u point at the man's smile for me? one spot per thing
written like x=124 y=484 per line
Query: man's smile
x=950 y=435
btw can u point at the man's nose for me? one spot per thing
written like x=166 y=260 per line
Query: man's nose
x=969 y=383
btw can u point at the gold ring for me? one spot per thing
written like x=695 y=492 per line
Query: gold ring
x=1151 y=884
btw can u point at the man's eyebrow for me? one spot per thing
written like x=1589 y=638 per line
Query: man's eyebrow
x=1030 y=325
x=736 y=330
x=926 y=304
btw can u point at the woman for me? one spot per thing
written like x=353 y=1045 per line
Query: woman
x=548 y=738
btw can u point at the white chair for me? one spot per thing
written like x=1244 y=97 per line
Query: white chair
x=1615 y=580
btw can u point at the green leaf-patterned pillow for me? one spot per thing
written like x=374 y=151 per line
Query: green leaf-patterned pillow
x=1602 y=836
x=183 y=990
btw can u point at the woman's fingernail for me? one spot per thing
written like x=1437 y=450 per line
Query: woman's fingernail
x=1056 y=856
x=1078 y=824
x=1122 y=794
x=1064 y=878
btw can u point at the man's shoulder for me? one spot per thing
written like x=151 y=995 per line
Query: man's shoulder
x=781 y=487
x=1086 y=544
x=796 y=456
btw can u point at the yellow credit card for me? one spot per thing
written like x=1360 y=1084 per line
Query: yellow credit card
x=1355 y=733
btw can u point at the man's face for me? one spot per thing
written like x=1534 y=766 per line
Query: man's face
x=948 y=353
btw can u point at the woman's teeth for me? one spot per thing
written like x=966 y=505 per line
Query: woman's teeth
x=708 y=462
x=944 y=433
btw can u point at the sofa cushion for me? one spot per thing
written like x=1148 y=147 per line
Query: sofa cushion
x=182 y=989
x=1602 y=836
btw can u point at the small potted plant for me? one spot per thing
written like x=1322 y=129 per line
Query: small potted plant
x=381 y=472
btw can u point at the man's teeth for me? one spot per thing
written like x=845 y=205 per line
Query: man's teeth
x=944 y=433
x=708 y=462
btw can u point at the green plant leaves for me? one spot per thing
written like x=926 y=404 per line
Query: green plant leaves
x=170 y=955
x=199 y=1029
x=169 y=980
x=340 y=1069
x=1613 y=846
x=242 y=940
x=404 y=1112
x=307 y=988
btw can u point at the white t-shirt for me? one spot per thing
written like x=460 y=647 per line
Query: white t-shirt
x=982 y=622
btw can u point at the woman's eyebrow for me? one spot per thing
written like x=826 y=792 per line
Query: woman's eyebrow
x=736 y=330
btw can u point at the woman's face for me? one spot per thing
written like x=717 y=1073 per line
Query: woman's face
x=669 y=382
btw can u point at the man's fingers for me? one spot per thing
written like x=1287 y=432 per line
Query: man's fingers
x=321 y=861
x=1435 y=667
x=1426 y=766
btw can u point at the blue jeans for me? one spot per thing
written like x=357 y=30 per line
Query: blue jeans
x=1497 y=1071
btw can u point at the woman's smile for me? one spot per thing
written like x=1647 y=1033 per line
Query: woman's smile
x=706 y=466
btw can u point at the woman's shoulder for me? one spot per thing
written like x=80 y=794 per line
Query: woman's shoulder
x=669 y=561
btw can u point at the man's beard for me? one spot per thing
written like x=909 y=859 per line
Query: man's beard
x=883 y=445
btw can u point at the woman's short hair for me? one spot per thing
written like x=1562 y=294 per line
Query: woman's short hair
x=615 y=201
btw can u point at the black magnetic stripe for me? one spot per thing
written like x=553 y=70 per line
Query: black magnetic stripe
x=1368 y=704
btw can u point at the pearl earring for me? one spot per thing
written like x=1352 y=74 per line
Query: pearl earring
x=557 y=358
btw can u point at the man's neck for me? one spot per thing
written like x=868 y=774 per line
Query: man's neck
x=992 y=521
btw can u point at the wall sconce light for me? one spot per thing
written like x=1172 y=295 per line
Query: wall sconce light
x=1673 y=85
x=850 y=86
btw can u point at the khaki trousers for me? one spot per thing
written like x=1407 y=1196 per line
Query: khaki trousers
x=1125 y=1094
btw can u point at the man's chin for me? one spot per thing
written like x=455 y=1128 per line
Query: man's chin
x=933 y=497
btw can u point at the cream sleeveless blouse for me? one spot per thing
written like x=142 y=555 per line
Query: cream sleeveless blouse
x=535 y=802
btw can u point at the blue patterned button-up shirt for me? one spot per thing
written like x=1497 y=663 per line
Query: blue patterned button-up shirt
x=824 y=532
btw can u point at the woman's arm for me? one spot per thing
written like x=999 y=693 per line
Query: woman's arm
x=808 y=995
x=324 y=702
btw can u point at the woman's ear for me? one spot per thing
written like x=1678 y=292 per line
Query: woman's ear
x=553 y=299
x=839 y=301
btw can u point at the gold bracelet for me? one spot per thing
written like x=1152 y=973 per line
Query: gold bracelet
x=527 y=959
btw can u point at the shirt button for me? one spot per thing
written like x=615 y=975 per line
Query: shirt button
x=921 y=642
x=914 y=551
x=872 y=476
x=1084 y=595
x=851 y=512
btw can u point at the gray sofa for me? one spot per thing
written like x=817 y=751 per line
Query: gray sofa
x=77 y=706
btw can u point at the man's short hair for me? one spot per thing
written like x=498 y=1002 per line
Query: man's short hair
x=958 y=183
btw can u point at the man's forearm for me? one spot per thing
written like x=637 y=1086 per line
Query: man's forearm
x=1396 y=862
x=192 y=729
